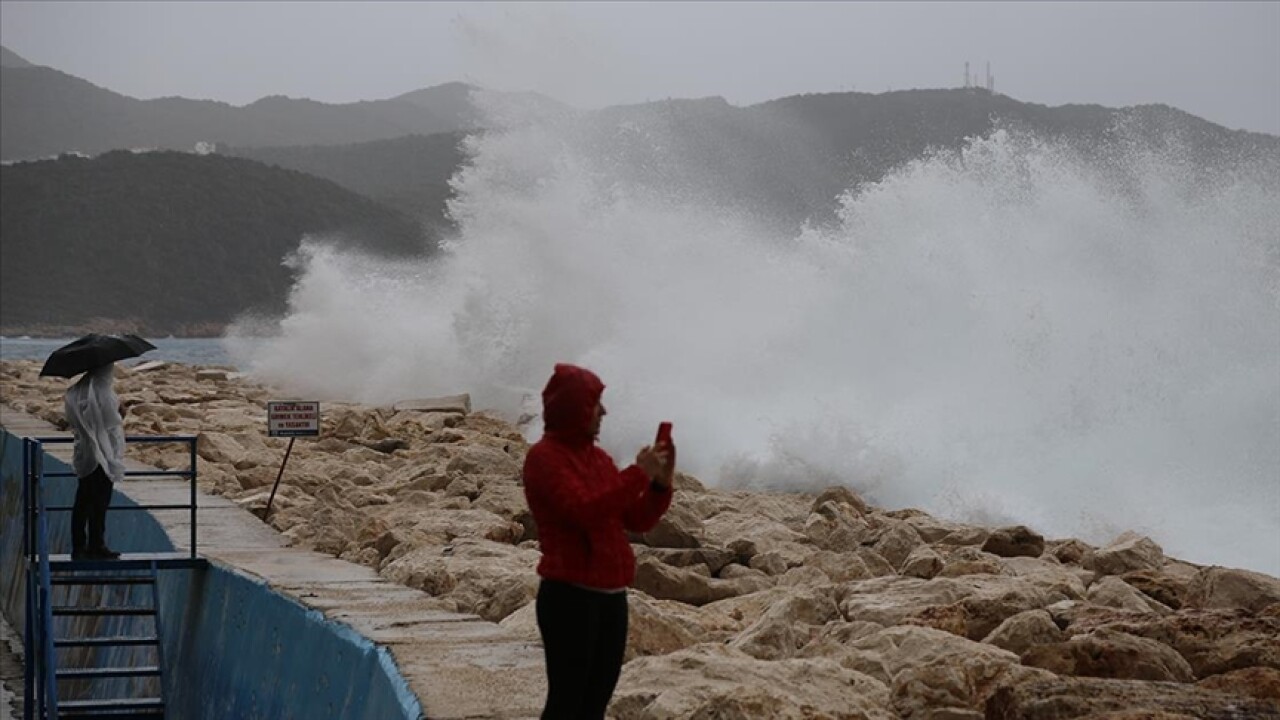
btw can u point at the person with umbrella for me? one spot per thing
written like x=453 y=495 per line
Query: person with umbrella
x=93 y=412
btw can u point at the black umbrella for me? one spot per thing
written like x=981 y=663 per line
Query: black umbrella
x=91 y=351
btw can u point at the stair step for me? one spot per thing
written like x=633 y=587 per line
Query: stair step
x=115 y=641
x=107 y=672
x=117 y=610
x=103 y=580
x=120 y=708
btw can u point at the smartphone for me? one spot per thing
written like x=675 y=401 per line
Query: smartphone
x=664 y=434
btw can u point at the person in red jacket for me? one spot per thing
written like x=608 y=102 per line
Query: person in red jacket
x=583 y=507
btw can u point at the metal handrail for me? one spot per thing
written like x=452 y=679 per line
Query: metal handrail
x=190 y=472
x=29 y=617
x=40 y=681
x=49 y=697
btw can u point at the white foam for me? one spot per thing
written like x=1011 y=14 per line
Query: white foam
x=1003 y=334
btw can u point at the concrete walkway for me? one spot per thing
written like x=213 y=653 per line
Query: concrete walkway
x=460 y=666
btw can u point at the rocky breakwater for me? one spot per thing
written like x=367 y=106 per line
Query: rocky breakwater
x=746 y=605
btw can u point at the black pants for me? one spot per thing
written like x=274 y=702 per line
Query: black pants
x=93 y=495
x=584 y=636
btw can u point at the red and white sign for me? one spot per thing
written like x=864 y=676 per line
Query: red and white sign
x=293 y=419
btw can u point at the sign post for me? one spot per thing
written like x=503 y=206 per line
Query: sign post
x=292 y=420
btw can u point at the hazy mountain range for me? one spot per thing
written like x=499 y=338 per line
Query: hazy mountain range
x=785 y=161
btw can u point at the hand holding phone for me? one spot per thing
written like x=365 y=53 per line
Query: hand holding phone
x=664 y=434
x=663 y=443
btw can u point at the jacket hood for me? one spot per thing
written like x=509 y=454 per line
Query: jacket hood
x=569 y=401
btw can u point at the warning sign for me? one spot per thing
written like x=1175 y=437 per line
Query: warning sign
x=293 y=419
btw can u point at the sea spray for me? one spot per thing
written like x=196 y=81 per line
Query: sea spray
x=1005 y=333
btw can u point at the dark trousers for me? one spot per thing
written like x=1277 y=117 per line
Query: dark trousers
x=93 y=495
x=584 y=636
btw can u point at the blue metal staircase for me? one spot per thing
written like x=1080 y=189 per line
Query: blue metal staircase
x=93 y=632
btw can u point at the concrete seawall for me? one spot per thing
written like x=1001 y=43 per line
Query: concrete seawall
x=269 y=631
x=233 y=647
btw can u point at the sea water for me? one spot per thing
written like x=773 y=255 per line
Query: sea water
x=189 y=351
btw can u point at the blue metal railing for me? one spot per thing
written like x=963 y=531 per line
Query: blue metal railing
x=48 y=698
x=190 y=472
x=40 y=681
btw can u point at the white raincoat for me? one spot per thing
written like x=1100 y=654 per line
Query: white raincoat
x=93 y=410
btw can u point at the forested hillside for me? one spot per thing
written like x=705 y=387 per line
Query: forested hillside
x=44 y=112
x=168 y=242
x=410 y=174
x=786 y=161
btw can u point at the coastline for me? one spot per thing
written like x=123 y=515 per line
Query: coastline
x=54 y=331
x=755 y=603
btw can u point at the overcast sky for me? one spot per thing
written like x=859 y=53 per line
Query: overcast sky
x=1219 y=60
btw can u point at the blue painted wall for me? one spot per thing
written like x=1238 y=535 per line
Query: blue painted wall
x=233 y=647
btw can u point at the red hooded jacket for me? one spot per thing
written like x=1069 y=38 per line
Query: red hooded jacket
x=582 y=504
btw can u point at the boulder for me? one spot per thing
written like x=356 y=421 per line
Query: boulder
x=744 y=550
x=1060 y=698
x=452 y=517
x=482 y=460
x=1111 y=654
x=930 y=670
x=833 y=639
x=1212 y=641
x=840 y=567
x=715 y=559
x=1166 y=586
x=1066 y=581
x=486 y=578
x=932 y=529
x=770 y=563
x=786 y=626
x=803 y=576
x=1126 y=553
x=685 y=483
x=876 y=564
x=897 y=542
x=1219 y=588
x=1016 y=541
x=1113 y=592
x=707 y=681
x=671 y=583
x=506 y=500
x=983 y=602
x=216 y=447
x=679 y=527
x=837 y=527
x=890 y=600
x=460 y=404
x=523 y=624
x=951 y=618
x=841 y=495
x=734 y=570
x=1070 y=551
x=651 y=630
x=1256 y=682
x=726 y=528
x=965 y=535
x=969 y=560
x=923 y=562
x=1020 y=632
